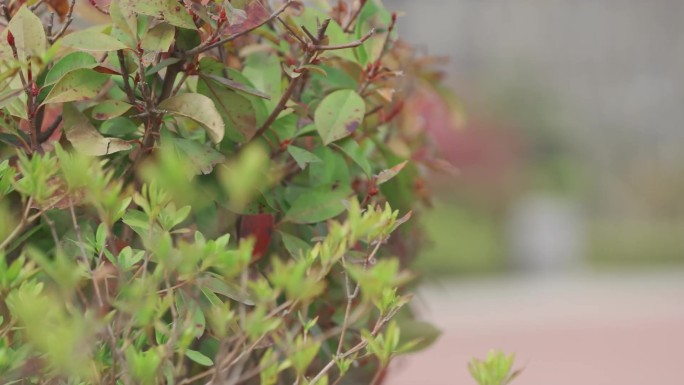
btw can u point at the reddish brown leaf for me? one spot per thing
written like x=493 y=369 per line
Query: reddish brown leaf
x=260 y=227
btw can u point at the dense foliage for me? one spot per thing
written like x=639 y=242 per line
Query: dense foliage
x=207 y=191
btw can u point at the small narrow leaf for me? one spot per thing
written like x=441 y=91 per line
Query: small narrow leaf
x=388 y=174
x=81 y=84
x=199 y=108
x=199 y=358
x=339 y=115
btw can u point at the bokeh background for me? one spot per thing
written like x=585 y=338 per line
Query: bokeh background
x=562 y=236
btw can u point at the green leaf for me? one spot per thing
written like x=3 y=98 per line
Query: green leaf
x=80 y=84
x=172 y=11
x=70 y=62
x=199 y=108
x=92 y=41
x=110 y=109
x=199 y=358
x=302 y=157
x=318 y=204
x=353 y=151
x=203 y=158
x=85 y=138
x=29 y=35
x=339 y=115
x=236 y=111
x=158 y=38
x=294 y=245
x=119 y=127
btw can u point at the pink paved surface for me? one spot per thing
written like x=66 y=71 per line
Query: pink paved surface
x=571 y=330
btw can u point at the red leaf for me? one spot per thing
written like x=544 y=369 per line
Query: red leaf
x=255 y=15
x=260 y=227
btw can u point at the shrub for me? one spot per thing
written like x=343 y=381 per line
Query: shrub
x=207 y=192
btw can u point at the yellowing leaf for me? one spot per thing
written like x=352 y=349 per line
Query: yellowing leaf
x=29 y=35
x=159 y=38
x=92 y=41
x=388 y=174
x=110 y=109
x=80 y=84
x=339 y=115
x=198 y=108
x=85 y=138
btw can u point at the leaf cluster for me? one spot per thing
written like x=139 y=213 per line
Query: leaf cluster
x=198 y=192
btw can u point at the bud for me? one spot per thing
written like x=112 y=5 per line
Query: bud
x=10 y=39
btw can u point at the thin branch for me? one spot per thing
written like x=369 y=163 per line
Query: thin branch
x=311 y=53
x=124 y=75
x=50 y=130
x=205 y=47
x=98 y=7
x=22 y=223
x=352 y=44
x=35 y=6
x=352 y=19
x=294 y=34
x=352 y=295
x=67 y=23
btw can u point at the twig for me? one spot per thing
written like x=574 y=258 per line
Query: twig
x=352 y=19
x=50 y=130
x=352 y=44
x=124 y=75
x=294 y=34
x=205 y=47
x=311 y=53
x=77 y=229
x=67 y=22
x=352 y=295
x=22 y=223
x=98 y=7
x=35 y=6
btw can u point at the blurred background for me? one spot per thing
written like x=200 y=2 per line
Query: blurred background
x=562 y=237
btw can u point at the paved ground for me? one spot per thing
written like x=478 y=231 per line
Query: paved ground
x=586 y=329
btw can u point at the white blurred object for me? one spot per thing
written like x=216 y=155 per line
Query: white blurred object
x=546 y=233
